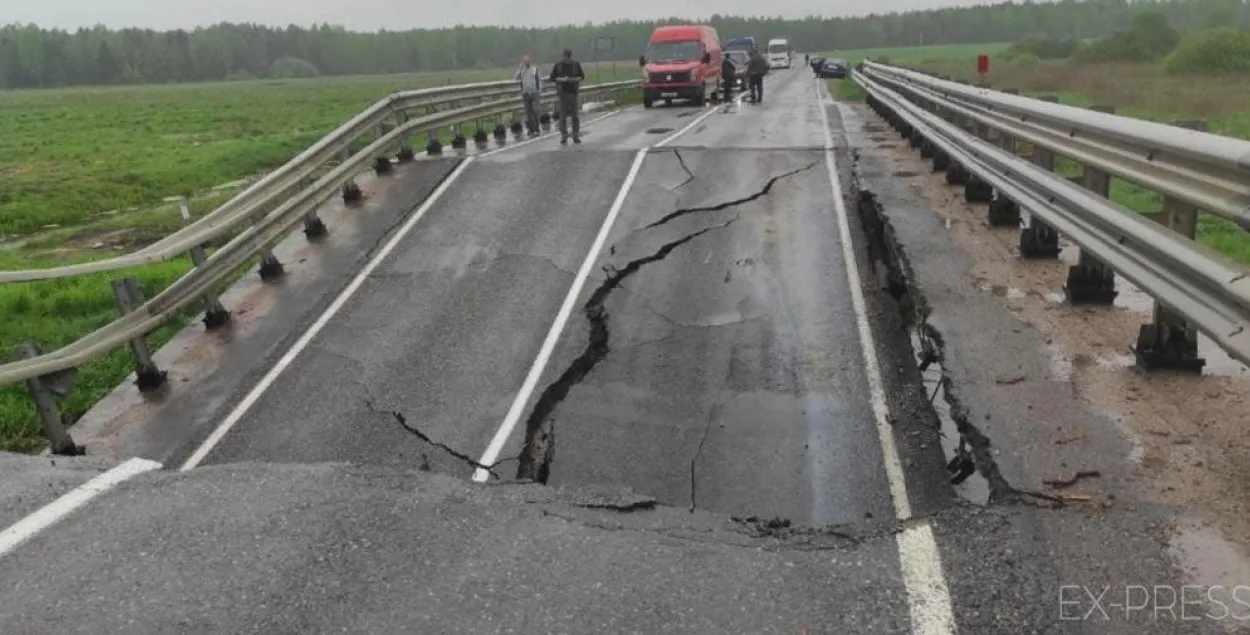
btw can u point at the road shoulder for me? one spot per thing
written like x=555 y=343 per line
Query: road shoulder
x=1024 y=426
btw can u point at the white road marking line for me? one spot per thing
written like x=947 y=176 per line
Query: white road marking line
x=53 y=512
x=928 y=596
x=544 y=136
x=270 y=377
x=557 y=327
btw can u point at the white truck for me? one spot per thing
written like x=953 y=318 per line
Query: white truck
x=779 y=53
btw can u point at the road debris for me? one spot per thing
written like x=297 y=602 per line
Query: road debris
x=1060 y=483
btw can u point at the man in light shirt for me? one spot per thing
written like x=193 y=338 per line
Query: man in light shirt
x=531 y=92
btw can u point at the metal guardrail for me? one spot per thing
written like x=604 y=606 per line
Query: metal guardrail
x=975 y=134
x=266 y=211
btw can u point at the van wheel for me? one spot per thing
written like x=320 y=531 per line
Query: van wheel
x=700 y=100
x=647 y=103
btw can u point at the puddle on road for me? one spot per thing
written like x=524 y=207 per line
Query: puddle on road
x=1215 y=565
x=971 y=487
x=658 y=130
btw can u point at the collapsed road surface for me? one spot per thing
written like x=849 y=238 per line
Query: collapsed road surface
x=658 y=382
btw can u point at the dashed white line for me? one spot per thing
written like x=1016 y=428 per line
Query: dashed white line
x=928 y=597
x=557 y=327
x=50 y=514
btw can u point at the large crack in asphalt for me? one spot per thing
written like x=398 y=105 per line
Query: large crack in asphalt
x=974 y=453
x=539 y=447
x=762 y=192
x=535 y=463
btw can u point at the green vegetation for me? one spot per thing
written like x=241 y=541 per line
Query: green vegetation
x=55 y=313
x=846 y=90
x=1220 y=50
x=922 y=55
x=1149 y=38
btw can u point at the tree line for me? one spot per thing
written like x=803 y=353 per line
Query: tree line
x=33 y=57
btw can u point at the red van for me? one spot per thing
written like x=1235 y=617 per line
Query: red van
x=682 y=62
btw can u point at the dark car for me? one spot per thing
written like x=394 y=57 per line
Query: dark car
x=832 y=69
x=740 y=59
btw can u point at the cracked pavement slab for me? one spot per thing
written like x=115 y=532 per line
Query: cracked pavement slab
x=446 y=329
x=761 y=415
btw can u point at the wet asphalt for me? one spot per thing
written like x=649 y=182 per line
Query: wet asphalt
x=714 y=469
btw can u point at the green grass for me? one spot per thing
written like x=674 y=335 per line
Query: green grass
x=846 y=90
x=55 y=313
x=948 y=54
x=83 y=175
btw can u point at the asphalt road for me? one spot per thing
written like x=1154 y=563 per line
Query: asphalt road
x=733 y=433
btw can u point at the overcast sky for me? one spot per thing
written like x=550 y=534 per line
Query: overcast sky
x=370 y=15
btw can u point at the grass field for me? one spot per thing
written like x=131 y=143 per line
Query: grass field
x=1136 y=90
x=84 y=171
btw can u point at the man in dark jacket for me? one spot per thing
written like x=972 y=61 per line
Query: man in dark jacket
x=756 y=69
x=728 y=75
x=568 y=75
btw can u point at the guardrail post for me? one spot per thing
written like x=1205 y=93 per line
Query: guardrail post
x=1169 y=341
x=215 y=315
x=501 y=133
x=314 y=227
x=1039 y=240
x=381 y=164
x=518 y=129
x=129 y=298
x=405 y=153
x=433 y=146
x=43 y=391
x=458 y=141
x=351 y=191
x=1091 y=281
x=480 y=137
x=270 y=267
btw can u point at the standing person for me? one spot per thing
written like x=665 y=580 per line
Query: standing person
x=728 y=74
x=756 y=69
x=568 y=76
x=531 y=92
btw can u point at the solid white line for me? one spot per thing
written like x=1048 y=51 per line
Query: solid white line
x=50 y=514
x=921 y=564
x=557 y=327
x=270 y=377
